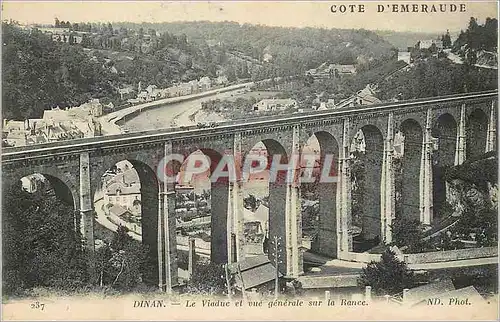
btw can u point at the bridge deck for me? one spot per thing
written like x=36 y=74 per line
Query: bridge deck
x=144 y=137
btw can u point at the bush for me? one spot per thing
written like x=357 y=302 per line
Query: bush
x=478 y=172
x=407 y=232
x=122 y=264
x=207 y=279
x=389 y=276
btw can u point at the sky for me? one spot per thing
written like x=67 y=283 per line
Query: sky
x=284 y=13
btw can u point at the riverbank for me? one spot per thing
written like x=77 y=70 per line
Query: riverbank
x=109 y=122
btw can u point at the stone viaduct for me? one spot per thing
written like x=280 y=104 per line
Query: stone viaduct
x=461 y=126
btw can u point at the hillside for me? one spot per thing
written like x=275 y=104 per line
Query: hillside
x=290 y=50
x=436 y=75
x=40 y=73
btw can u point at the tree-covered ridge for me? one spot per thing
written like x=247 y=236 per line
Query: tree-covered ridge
x=291 y=48
x=479 y=37
x=39 y=74
x=437 y=77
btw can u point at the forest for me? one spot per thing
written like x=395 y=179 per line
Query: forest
x=41 y=74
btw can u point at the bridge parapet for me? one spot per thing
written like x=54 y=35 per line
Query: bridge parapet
x=257 y=125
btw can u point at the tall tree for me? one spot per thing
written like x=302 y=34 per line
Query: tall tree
x=388 y=276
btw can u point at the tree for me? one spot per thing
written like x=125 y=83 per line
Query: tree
x=250 y=202
x=446 y=39
x=230 y=73
x=389 y=276
x=110 y=28
x=207 y=279
x=122 y=264
x=121 y=239
x=407 y=232
x=40 y=244
x=243 y=70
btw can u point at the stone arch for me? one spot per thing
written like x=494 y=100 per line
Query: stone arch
x=64 y=187
x=476 y=132
x=149 y=189
x=444 y=132
x=368 y=165
x=61 y=189
x=277 y=204
x=219 y=194
x=409 y=205
x=325 y=242
x=66 y=183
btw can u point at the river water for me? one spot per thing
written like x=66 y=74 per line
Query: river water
x=163 y=115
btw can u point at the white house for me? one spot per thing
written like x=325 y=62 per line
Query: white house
x=404 y=56
x=342 y=69
x=205 y=83
x=221 y=80
x=275 y=104
x=426 y=44
x=124 y=190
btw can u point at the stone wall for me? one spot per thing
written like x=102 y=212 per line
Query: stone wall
x=422 y=258
x=450 y=255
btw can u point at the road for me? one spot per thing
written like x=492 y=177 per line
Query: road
x=104 y=221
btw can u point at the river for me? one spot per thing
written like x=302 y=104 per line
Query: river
x=163 y=116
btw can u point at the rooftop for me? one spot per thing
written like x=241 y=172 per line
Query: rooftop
x=118 y=210
x=255 y=271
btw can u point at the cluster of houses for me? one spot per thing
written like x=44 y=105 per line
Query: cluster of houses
x=366 y=96
x=60 y=34
x=55 y=125
x=152 y=92
x=430 y=43
x=280 y=104
x=274 y=104
x=433 y=45
x=122 y=193
x=327 y=70
x=189 y=204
